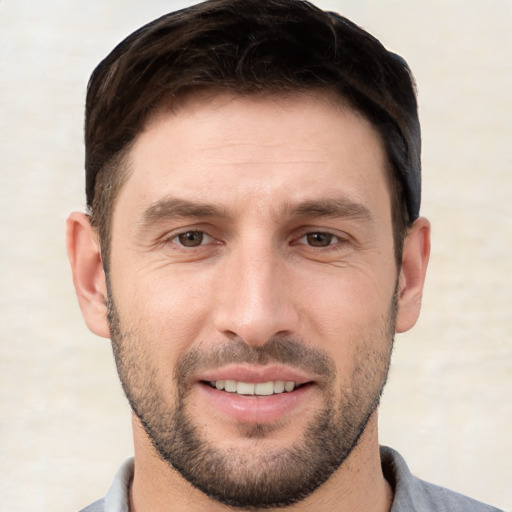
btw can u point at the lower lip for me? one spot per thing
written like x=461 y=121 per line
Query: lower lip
x=256 y=409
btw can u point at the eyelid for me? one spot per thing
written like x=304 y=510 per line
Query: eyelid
x=205 y=240
x=334 y=241
x=171 y=236
x=305 y=235
x=308 y=230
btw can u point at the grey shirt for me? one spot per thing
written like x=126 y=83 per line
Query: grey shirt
x=411 y=493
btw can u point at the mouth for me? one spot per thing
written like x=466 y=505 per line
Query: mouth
x=255 y=388
x=251 y=395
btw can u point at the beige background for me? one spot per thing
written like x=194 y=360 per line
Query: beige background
x=64 y=425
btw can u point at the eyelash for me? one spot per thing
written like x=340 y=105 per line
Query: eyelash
x=174 y=238
x=332 y=239
x=332 y=242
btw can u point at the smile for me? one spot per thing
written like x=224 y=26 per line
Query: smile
x=252 y=393
x=254 y=388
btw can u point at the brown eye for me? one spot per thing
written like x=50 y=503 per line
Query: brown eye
x=190 y=238
x=319 y=239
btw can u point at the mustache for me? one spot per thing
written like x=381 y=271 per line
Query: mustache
x=285 y=351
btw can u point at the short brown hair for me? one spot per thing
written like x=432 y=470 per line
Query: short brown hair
x=248 y=47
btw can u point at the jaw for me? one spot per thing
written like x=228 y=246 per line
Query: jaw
x=157 y=486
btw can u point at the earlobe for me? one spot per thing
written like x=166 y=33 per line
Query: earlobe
x=415 y=258
x=88 y=274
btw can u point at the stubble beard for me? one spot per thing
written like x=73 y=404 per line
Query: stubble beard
x=267 y=478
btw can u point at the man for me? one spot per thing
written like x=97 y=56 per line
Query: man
x=253 y=242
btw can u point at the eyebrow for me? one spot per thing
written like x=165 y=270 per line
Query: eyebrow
x=172 y=207
x=335 y=208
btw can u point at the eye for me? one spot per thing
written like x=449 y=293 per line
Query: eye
x=192 y=238
x=319 y=239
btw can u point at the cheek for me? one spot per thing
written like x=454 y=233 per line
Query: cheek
x=348 y=315
x=347 y=299
x=169 y=309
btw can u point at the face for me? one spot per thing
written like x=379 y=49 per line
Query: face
x=252 y=291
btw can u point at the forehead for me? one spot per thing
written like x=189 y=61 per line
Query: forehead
x=261 y=148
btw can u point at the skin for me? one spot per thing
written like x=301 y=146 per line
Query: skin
x=260 y=163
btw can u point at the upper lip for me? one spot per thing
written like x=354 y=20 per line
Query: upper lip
x=254 y=374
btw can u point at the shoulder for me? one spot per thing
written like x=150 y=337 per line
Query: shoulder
x=414 y=494
x=444 y=499
x=117 y=498
x=97 y=506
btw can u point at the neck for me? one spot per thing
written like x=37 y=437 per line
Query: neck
x=357 y=486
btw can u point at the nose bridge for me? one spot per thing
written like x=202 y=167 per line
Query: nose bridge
x=254 y=302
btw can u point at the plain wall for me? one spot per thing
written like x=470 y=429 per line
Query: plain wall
x=65 y=426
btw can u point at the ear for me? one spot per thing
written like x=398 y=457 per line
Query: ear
x=415 y=257
x=88 y=275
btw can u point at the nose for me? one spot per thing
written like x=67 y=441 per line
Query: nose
x=255 y=300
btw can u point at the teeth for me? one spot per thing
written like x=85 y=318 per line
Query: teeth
x=250 y=388
x=245 y=388
x=264 y=388
x=279 y=386
x=230 y=385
